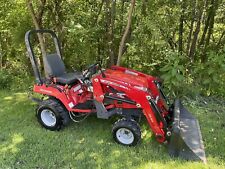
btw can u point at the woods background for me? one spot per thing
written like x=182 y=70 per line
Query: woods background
x=180 y=41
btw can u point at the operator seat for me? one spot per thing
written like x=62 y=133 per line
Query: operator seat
x=55 y=68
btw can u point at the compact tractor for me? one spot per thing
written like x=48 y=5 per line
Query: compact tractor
x=116 y=91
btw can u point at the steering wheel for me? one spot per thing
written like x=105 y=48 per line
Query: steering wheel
x=91 y=70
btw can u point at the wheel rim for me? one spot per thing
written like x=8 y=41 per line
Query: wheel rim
x=48 y=117
x=125 y=136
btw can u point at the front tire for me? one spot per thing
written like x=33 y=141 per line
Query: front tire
x=126 y=132
x=52 y=115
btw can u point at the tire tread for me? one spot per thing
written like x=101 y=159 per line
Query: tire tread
x=56 y=106
x=131 y=125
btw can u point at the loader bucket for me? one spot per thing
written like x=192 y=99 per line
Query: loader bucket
x=186 y=139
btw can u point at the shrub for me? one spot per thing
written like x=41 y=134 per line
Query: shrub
x=211 y=74
x=5 y=79
x=174 y=73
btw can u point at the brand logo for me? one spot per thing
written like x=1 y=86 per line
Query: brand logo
x=46 y=91
x=113 y=83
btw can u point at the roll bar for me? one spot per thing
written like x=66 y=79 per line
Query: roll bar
x=31 y=52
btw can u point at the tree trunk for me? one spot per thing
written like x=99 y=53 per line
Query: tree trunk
x=4 y=48
x=144 y=7
x=206 y=25
x=189 y=37
x=1 y=56
x=191 y=29
x=196 y=32
x=111 y=34
x=122 y=16
x=110 y=20
x=214 y=5
x=96 y=20
x=1 y=53
x=99 y=50
x=37 y=20
x=57 y=18
x=181 y=29
x=122 y=43
x=220 y=40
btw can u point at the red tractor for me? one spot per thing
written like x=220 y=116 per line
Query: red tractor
x=119 y=91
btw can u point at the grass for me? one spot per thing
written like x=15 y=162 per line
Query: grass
x=25 y=144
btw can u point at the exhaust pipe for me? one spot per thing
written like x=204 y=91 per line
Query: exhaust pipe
x=186 y=139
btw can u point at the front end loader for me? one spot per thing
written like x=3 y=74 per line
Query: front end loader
x=118 y=91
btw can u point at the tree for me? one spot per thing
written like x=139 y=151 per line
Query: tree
x=122 y=43
x=37 y=20
x=93 y=31
x=199 y=15
x=181 y=28
x=110 y=22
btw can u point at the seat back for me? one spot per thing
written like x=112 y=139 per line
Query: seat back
x=53 y=65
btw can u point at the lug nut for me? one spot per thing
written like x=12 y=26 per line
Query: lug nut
x=168 y=133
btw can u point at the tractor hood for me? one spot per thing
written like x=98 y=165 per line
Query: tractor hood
x=128 y=78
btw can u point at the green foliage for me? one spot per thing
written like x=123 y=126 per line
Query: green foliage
x=199 y=78
x=5 y=79
x=173 y=72
x=151 y=47
x=210 y=75
x=15 y=77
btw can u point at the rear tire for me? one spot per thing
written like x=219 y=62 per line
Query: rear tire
x=52 y=115
x=126 y=132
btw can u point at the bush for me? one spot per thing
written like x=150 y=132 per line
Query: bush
x=15 y=77
x=206 y=78
x=5 y=79
x=174 y=74
x=211 y=75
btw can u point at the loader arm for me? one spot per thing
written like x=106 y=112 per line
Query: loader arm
x=169 y=123
x=143 y=100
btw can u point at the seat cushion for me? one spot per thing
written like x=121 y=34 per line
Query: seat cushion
x=68 y=78
x=54 y=65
